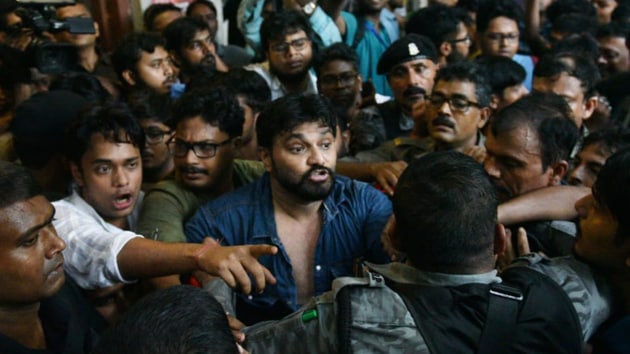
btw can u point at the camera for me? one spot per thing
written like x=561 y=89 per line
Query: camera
x=37 y=18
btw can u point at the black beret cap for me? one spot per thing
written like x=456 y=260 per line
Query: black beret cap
x=410 y=47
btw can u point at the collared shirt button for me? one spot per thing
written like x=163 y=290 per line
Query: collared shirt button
x=318 y=267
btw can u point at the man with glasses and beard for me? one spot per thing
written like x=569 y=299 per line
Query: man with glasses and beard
x=192 y=48
x=321 y=222
x=446 y=28
x=287 y=41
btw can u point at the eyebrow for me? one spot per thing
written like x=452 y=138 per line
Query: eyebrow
x=301 y=136
x=38 y=227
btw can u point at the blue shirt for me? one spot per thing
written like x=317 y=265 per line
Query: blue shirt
x=373 y=45
x=354 y=214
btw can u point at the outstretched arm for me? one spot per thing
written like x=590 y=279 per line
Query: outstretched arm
x=553 y=203
x=143 y=258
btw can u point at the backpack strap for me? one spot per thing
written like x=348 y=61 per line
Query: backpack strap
x=503 y=305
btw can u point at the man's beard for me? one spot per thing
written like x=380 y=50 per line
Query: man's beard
x=455 y=57
x=293 y=77
x=305 y=189
x=206 y=67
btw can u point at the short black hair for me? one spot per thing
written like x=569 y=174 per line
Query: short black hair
x=613 y=29
x=469 y=72
x=180 y=319
x=217 y=107
x=574 y=23
x=337 y=51
x=611 y=190
x=491 y=9
x=16 y=184
x=196 y=3
x=152 y=106
x=155 y=10
x=288 y=112
x=621 y=13
x=558 y=8
x=437 y=22
x=501 y=72
x=113 y=120
x=279 y=24
x=246 y=83
x=446 y=213
x=579 y=66
x=612 y=139
x=83 y=84
x=129 y=51
x=546 y=114
x=182 y=31
x=583 y=44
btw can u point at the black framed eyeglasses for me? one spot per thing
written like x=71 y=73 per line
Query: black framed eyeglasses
x=297 y=44
x=344 y=79
x=202 y=149
x=460 y=104
x=155 y=136
x=458 y=40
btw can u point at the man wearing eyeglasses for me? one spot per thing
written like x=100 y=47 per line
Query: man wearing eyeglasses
x=498 y=33
x=445 y=27
x=154 y=114
x=208 y=126
x=287 y=40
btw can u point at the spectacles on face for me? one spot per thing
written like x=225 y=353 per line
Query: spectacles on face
x=203 y=149
x=155 y=136
x=460 y=104
x=345 y=79
x=466 y=40
x=297 y=44
x=500 y=37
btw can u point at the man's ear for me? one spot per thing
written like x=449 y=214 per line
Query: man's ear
x=97 y=32
x=500 y=239
x=129 y=77
x=445 y=49
x=558 y=170
x=494 y=101
x=590 y=105
x=238 y=142
x=484 y=115
x=265 y=157
x=77 y=175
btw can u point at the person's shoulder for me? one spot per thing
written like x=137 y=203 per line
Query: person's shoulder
x=248 y=170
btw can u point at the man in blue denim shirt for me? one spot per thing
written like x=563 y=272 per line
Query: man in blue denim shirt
x=320 y=222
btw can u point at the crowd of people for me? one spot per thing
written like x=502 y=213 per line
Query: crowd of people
x=336 y=176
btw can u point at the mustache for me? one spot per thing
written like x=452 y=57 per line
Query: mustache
x=443 y=120
x=54 y=263
x=192 y=169
x=414 y=90
x=317 y=168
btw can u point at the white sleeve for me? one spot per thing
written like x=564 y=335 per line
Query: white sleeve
x=91 y=251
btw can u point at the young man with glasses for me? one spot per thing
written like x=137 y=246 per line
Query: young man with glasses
x=154 y=114
x=208 y=126
x=498 y=33
x=446 y=28
x=287 y=40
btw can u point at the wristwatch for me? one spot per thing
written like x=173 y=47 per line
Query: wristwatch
x=309 y=8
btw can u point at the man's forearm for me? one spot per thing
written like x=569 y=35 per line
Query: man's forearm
x=553 y=203
x=143 y=258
